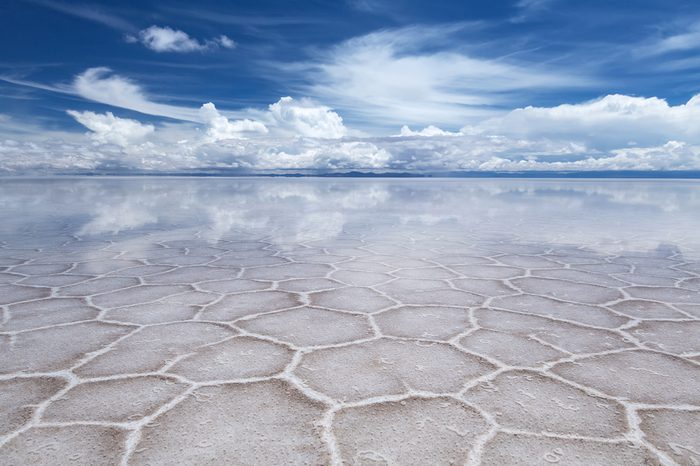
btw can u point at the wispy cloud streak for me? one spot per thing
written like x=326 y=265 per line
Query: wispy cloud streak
x=409 y=75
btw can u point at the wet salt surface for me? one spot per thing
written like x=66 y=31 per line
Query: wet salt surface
x=282 y=321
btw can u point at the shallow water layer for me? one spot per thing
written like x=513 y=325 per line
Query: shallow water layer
x=358 y=321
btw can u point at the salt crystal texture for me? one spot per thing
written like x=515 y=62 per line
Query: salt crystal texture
x=334 y=321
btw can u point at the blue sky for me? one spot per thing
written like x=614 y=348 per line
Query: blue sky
x=356 y=84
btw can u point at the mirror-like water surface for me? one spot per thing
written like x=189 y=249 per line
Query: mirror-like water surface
x=329 y=321
x=640 y=215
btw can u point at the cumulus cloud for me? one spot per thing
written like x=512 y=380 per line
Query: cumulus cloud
x=613 y=121
x=304 y=118
x=673 y=155
x=612 y=133
x=220 y=127
x=167 y=39
x=316 y=154
x=428 y=131
x=108 y=129
x=412 y=154
x=286 y=117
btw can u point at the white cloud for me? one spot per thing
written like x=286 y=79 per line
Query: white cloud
x=99 y=85
x=614 y=121
x=317 y=154
x=428 y=131
x=435 y=154
x=687 y=40
x=225 y=42
x=299 y=135
x=108 y=129
x=90 y=13
x=673 y=155
x=115 y=218
x=286 y=117
x=409 y=76
x=304 y=118
x=220 y=127
x=167 y=39
x=528 y=9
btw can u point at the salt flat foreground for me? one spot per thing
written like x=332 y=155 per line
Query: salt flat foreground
x=361 y=322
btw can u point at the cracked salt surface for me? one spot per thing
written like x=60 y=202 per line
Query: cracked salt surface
x=280 y=321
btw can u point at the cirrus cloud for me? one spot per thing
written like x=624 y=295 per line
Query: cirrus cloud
x=409 y=76
x=99 y=84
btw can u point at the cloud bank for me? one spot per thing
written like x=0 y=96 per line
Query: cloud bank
x=610 y=122
x=614 y=132
x=432 y=154
x=563 y=138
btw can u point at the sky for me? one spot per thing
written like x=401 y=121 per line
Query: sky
x=401 y=85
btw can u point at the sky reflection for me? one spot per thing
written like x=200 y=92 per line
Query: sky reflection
x=605 y=215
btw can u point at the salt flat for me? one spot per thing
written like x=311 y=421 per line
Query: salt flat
x=280 y=321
